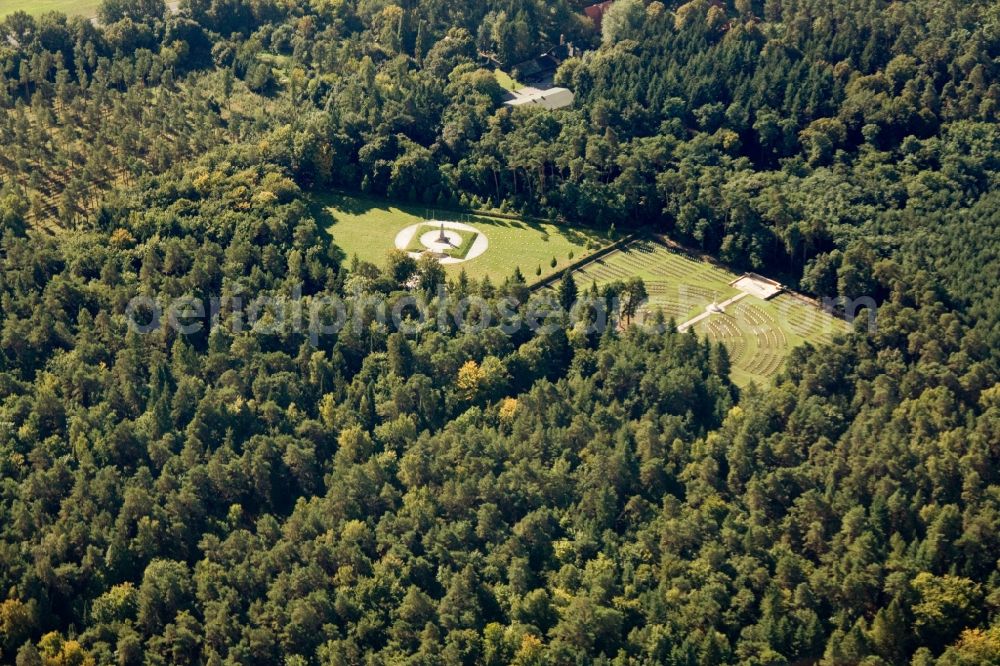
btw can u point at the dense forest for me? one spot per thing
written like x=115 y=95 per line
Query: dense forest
x=556 y=496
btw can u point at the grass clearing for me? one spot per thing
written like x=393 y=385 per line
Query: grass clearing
x=87 y=8
x=368 y=227
x=678 y=285
x=468 y=240
x=507 y=82
x=759 y=334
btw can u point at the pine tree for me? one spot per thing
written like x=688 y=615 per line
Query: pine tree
x=567 y=291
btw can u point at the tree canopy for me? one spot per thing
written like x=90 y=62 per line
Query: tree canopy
x=260 y=494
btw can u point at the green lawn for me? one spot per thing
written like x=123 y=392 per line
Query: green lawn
x=678 y=285
x=86 y=8
x=758 y=334
x=506 y=82
x=368 y=228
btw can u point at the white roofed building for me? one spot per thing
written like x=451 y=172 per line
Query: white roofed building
x=553 y=98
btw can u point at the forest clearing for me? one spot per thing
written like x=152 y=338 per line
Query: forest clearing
x=758 y=333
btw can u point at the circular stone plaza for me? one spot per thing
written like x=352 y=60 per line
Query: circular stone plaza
x=442 y=240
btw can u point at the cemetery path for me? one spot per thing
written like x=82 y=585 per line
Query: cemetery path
x=709 y=311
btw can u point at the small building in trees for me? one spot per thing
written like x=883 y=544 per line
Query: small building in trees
x=552 y=98
x=596 y=12
x=543 y=68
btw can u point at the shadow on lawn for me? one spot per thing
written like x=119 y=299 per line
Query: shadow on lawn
x=350 y=204
x=324 y=220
